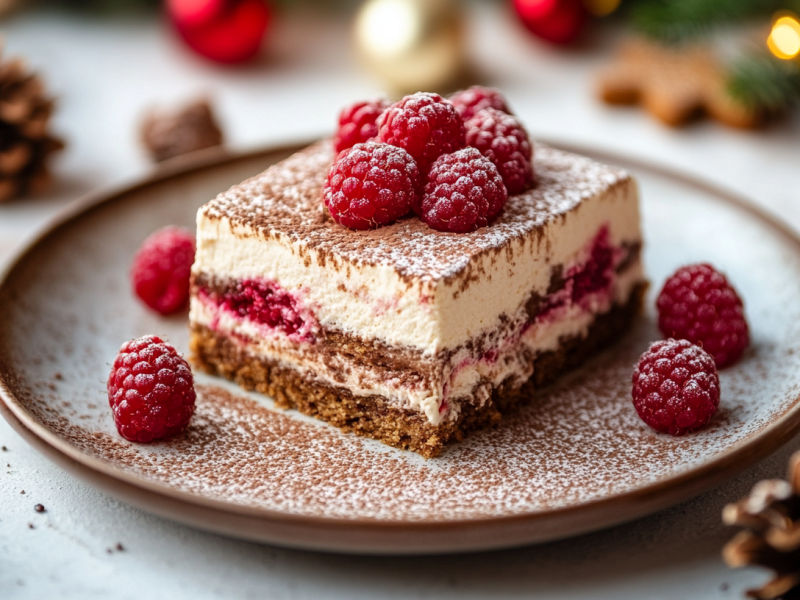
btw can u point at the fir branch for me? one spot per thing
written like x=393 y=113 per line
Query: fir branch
x=675 y=21
x=765 y=83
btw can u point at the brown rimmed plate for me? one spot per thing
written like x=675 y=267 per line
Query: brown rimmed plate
x=575 y=460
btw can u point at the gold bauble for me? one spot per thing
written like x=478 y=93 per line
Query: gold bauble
x=412 y=45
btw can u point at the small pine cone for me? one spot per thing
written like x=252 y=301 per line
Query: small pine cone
x=193 y=127
x=771 y=516
x=25 y=143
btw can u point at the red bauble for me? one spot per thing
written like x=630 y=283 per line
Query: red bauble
x=556 y=21
x=225 y=31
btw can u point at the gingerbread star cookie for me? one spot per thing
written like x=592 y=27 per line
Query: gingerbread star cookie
x=673 y=84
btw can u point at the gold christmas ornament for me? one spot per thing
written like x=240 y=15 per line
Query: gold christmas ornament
x=412 y=45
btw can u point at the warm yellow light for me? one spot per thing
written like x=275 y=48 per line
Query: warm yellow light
x=389 y=27
x=784 y=39
x=601 y=8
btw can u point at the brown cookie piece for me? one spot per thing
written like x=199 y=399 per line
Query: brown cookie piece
x=166 y=134
x=675 y=85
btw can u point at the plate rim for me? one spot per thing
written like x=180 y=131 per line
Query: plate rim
x=644 y=500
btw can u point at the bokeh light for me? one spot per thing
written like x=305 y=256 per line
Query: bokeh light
x=784 y=39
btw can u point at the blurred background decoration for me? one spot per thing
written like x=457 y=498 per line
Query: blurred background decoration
x=420 y=44
x=25 y=140
x=412 y=45
x=736 y=60
x=170 y=132
x=225 y=31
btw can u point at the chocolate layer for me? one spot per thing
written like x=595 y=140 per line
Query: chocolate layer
x=374 y=416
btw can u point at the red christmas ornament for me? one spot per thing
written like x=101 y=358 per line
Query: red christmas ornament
x=555 y=21
x=225 y=31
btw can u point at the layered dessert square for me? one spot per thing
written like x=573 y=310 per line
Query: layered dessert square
x=405 y=334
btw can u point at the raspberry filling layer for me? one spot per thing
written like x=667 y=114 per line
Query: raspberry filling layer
x=584 y=281
x=268 y=305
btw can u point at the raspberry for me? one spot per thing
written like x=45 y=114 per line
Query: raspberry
x=150 y=390
x=675 y=387
x=502 y=139
x=423 y=124
x=464 y=192
x=468 y=102
x=371 y=185
x=698 y=304
x=161 y=269
x=358 y=123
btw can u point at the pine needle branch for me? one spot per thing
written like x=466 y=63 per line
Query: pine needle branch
x=676 y=21
x=766 y=83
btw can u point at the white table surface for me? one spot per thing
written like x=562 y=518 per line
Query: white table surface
x=106 y=73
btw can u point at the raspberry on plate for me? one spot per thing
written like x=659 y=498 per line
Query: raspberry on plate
x=675 y=387
x=358 y=123
x=425 y=125
x=463 y=192
x=474 y=99
x=699 y=304
x=371 y=185
x=161 y=269
x=501 y=138
x=150 y=390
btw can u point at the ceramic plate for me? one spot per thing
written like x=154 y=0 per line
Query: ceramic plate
x=577 y=458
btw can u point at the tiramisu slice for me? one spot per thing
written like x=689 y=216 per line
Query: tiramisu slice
x=406 y=334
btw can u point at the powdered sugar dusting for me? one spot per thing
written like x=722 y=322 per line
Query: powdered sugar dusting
x=68 y=307
x=576 y=442
x=286 y=200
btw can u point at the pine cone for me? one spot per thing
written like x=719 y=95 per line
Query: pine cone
x=771 y=515
x=193 y=127
x=25 y=143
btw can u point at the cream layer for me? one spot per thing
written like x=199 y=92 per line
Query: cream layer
x=425 y=313
x=459 y=377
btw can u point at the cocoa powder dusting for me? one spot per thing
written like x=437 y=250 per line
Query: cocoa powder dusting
x=576 y=441
x=286 y=201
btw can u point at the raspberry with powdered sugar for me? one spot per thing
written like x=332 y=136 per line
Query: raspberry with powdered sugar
x=358 y=123
x=464 y=192
x=425 y=125
x=502 y=139
x=471 y=101
x=371 y=185
x=150 y=390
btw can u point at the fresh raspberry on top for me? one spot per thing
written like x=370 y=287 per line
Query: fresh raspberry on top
x=425 y=125
x=161 y=269
x=675 y=387
x=698 y=304
x=371 y=185
x=464 y=192
x=502 y=139
x=358 y=123
x=474 y=99
x=150 y=390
